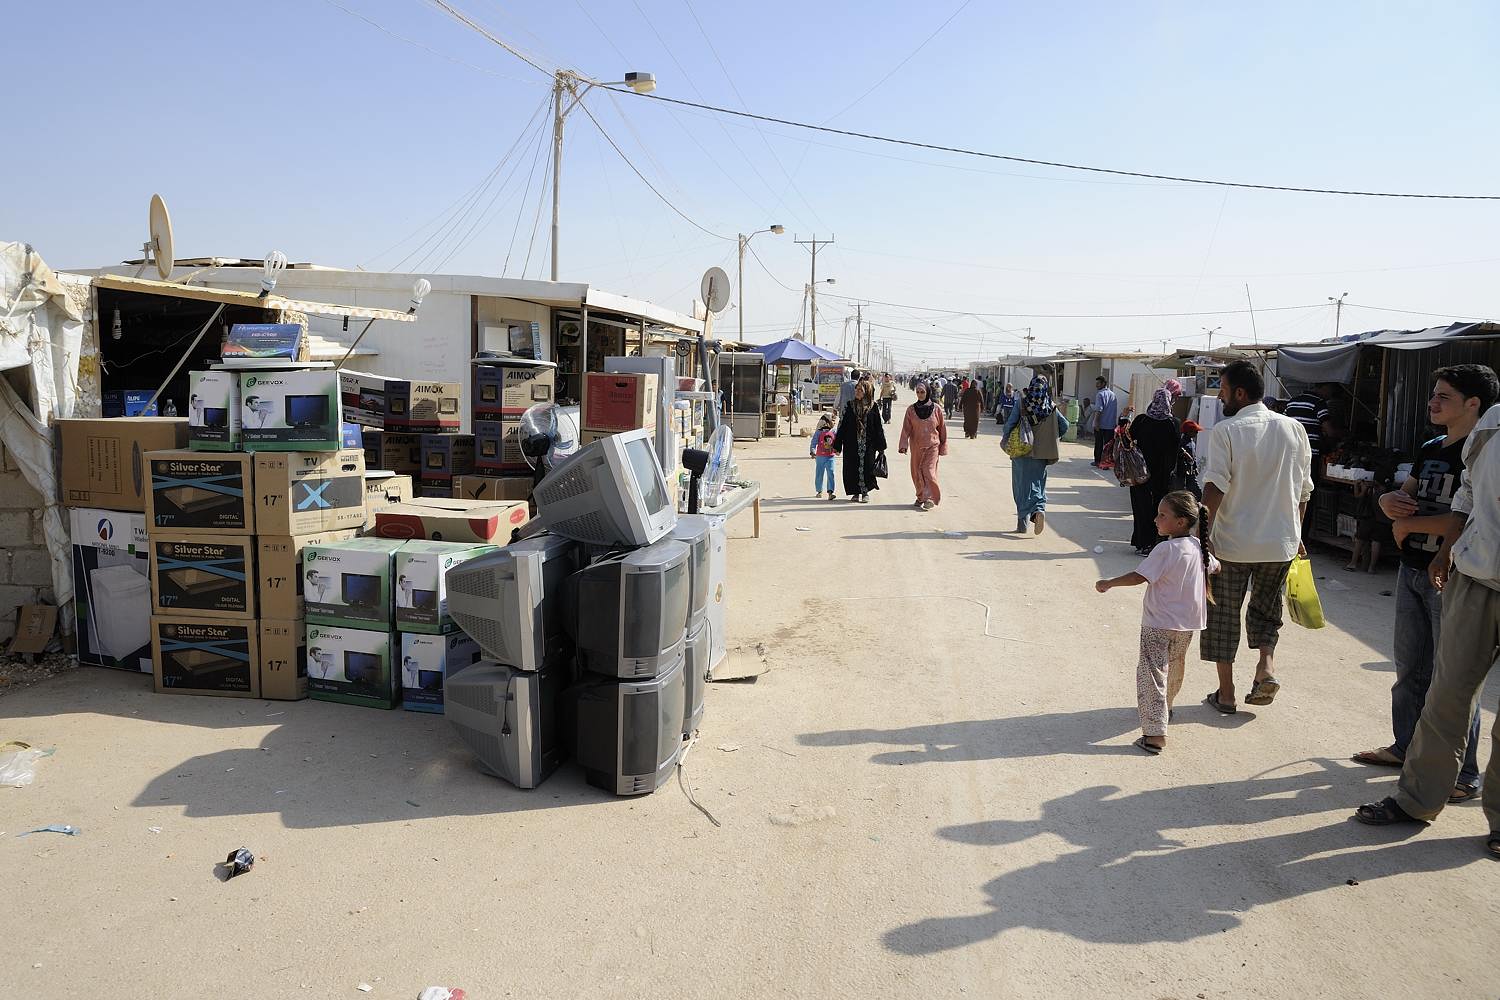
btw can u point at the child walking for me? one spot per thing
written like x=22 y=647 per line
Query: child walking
x=822 y=449
x=1175 y=608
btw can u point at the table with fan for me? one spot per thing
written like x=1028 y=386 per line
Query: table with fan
x=711 y=489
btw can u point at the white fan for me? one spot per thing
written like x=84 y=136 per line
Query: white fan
x=548 y=435
x=720 y=458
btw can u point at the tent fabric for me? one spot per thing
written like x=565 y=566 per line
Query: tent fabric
x=1335 y=362
x=790 y=351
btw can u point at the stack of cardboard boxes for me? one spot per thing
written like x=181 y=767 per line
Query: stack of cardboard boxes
x=410 y=428
x=618 y=402
x=504 y=389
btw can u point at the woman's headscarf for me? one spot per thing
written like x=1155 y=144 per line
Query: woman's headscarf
x=924 y=406
x=1037 y=400
x=861 y=400
x=1161 y=401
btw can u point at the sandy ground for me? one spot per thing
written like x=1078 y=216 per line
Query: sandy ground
x=915 y=809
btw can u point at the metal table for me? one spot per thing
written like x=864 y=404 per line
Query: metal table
x=735 y=499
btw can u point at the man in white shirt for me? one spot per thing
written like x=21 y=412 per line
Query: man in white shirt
x=1257 y=478
x=1467 y=571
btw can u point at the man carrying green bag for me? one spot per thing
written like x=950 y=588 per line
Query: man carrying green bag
x=1302 y=603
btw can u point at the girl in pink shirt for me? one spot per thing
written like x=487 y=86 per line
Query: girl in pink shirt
x=1175 y=607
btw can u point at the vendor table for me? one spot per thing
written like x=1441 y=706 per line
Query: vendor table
x=736 y=498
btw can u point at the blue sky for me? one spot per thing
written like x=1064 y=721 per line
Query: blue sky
x=298 y=125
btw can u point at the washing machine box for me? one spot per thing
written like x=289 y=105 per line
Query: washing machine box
x=204 y=656
x=291 y=411
x=421 y=595
x=201 y=493
x=353 y=665
x=283 y=659
x=278 y=571
x=426 y=662
x=203 y=577
x=349 y=583
x=422 y=406
x=213 y=411
x=111 y=588
x=300 y=493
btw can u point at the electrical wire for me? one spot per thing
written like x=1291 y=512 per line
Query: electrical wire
x=473 y=25
x=896 y=68
x=424 y=47
x=521 y=205
x=536 y=223
x=1415 y=312
x=766 y=269
x=997 y=315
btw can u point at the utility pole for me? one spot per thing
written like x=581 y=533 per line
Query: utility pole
x=1211 y=335
x=814 y=244
x=1338 y=312
x=559 y=84
x=1028 y=338
x=858 y=330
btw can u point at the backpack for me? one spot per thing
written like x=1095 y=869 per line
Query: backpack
x=1130 y=464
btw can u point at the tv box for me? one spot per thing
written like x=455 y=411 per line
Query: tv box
x=421 y=593
x=352 y=665
x=348 y=583
x=213 y=411
x=426 y=663
x=291 y=411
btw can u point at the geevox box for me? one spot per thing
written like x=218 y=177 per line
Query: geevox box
x=353 y=665
x=298 y=493
x=291 y=411
x=422 y=406
x=428 y=660
x=421 y=594
x=278 y=571
x=201 y=576
x=349 y=583
x=213 y=411
x=201 y=493
x=203 y=656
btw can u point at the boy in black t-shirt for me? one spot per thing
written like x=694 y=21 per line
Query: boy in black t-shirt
x=1418 y=510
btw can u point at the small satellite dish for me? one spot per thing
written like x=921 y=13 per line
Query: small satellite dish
x=160 y=248
x=715 y=289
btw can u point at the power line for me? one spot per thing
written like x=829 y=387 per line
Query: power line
x=896 y=68
x=473 y=25
x=1057 y=163
x=1412 y=312
x=997 y=315
x=421 y=45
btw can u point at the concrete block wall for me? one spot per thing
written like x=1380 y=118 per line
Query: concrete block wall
x=25 y=569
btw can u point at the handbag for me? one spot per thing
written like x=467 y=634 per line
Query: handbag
x=1018 y=442
x=882 y=468
x=1130 y=465
x=1302 y=604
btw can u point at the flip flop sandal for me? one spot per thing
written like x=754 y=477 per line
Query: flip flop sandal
x=1213 y=701
x=1141 y=744
x=1463 y=793
x=1371 y=758
x=1383 y=813
x=1263 y=691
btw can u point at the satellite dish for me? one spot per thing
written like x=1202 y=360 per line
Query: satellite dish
x=715 y=289
x=160 y=248
x=720 y=451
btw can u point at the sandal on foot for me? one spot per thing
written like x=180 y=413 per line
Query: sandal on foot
x=1463 y=793
x=1263 y=691
x=1383 y=757
x=1383 y=813
x=1213 y=700
x=1141 y=744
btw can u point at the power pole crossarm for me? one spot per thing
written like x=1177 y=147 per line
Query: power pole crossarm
x=813 y=244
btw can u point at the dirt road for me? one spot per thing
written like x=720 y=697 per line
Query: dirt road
x=920 y=798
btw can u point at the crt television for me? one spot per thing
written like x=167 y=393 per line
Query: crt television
x=692 y=531
x=510 y=600
x=307 y=411
x=612 y=492
x=630 y=732
x=511 y=719
x=626 y=612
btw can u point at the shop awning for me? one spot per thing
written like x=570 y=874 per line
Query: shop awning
x=792 y=351
x=147 y=286
x=1314 y=363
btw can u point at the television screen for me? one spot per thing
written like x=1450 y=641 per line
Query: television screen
x=425 y=600
x=448 y=404
x=521 y=341
x=306 y=411
x=648 y=480
x=430 y=680
x=489 y=393
x=435 y=460
x=361 y=590
x=361 y=668
x=215 y=416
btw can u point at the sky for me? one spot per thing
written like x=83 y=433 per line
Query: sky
x=386 y=134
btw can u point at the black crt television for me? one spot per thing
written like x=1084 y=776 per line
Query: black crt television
x=629 y=732
x=306 y=411
x=692 y=531
x=360 y=590
x=627 y=612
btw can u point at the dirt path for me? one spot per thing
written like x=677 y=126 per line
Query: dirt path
x=913 y=808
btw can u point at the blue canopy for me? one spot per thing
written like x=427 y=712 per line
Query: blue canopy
x=793 y=351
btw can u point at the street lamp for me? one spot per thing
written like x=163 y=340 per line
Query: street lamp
x=778 y=229
x=1211 y=335
x=576 y=85
x=1338 y=312
x=812 y=291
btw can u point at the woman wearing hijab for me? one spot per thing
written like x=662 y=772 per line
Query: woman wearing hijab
x=1158 y=435
x=926 y=434
x=860 y=437
x=1028 y=475
x=971 y=402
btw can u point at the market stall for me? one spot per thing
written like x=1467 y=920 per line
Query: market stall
x=787 y=355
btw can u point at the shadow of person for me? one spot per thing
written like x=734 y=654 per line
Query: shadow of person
x=1131 y=883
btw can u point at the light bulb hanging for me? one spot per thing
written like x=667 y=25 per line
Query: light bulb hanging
x=275 y=264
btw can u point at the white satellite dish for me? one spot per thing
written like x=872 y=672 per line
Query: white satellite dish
x=714 y=291
x=160 y=248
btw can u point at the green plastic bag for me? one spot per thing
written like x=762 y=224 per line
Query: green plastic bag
x=1017 y=443
x=1302 y=603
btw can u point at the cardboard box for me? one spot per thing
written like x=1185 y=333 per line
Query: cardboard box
x=349 y=582
x=363 y=396
x=214 y=411
x=383 y=490
x=128 y=403
x=204 y=656
x=200 y=576
x=278 y=571
x=201 y=493
x=393 y=451
x=426 y=662
x=586 y=438
x=353 y=665
x=283 y=659
x=445 y=456
x=34 y=625
x=497 y=446
x=111 y=589
x=103 y=461
x=619 y=402
x=492 y=487
x=447 y=520
x=264 y=342
x=421 y=593
x=507 y=389
x=422 y=406
x=351 y=436
x=299 y=493
x=291 y=411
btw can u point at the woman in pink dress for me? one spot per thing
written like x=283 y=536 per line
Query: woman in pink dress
x=926 y=435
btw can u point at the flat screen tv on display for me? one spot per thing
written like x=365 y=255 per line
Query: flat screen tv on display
x=361 y=668
x=360 y=590
x=306 y=411
x=215 y=416
x=424 y=600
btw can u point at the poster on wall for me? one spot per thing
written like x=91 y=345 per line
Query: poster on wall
x=829 y=378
